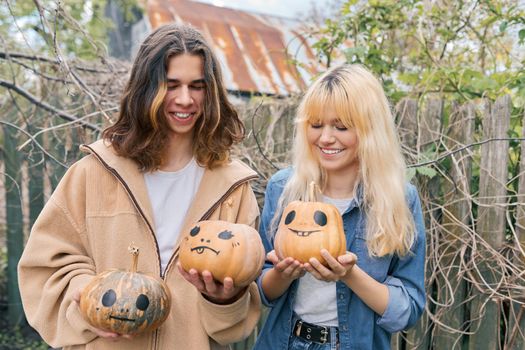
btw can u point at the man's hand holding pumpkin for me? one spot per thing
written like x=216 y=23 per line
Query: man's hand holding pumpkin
x=218 y=293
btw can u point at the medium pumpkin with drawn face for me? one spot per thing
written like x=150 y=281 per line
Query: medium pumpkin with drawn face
x=306 y=228
x=224 y=249
x=125 y=302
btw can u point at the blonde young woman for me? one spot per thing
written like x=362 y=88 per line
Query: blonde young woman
x=346 y=142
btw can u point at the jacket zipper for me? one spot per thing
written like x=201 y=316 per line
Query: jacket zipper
x=133 y=199
x=141 y=212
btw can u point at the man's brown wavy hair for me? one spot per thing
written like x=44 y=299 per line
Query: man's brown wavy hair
x=141 y=131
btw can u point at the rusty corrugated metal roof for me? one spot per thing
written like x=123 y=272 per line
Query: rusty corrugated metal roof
x=256 y=51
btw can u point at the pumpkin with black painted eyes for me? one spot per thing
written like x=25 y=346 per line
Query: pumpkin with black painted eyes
x=125 y=302
x=306 y=228
x=225 y=249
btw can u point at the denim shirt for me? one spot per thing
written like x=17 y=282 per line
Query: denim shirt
x=359 y=326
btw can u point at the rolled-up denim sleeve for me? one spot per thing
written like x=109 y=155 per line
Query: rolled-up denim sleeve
x=397 y=312
x=264 y=300
x=406 y=280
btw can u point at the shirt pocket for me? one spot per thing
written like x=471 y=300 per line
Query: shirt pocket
x=376 y=267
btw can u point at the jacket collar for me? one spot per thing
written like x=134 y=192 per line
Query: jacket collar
x=215 y=184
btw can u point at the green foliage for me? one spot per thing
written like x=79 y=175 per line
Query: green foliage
x=410 y=173
x=16 y=339
x=426 y=171
x=463 y=49
x=77 y=28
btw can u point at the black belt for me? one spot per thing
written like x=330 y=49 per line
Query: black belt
x=312 y=332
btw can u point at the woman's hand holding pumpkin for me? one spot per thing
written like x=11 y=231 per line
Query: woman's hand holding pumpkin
x=218 y=293
x=100 y=332
x=276 y=280
x=338 y=268
x=288 y=268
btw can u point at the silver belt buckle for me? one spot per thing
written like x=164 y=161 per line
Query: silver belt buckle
x=298 y=330
x=324 y=336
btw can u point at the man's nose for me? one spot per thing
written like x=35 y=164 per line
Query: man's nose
x=183 y=96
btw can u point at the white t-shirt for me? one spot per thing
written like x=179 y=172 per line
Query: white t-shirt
x=171 y=194
x=316 y=301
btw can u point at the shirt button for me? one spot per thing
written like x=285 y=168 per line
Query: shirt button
x=345 y=327
x=341 y=296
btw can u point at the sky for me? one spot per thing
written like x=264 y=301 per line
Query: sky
x=284 y=8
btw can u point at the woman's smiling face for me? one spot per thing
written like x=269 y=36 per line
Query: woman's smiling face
x=334 y=145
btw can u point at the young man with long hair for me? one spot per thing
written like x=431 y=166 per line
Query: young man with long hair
x=163 y=166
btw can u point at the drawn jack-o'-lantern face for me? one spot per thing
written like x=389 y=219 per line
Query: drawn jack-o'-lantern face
x=206 y=246
x=224 y=249
x=306 y=228
x=125 y=302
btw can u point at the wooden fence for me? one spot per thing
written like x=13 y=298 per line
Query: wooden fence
x=465 y=160
x=474 y=219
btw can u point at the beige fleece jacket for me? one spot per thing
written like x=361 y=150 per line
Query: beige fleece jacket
x=99 y=207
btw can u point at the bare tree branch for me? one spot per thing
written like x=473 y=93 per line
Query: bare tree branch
x=7 y=55
x=46 y=106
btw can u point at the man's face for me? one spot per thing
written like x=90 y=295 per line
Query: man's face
x=184 y=99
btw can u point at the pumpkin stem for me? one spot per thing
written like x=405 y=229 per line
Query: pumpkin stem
x=312 y=188
x=134 y=251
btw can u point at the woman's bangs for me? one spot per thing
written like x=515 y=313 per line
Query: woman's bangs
x=314 y=106
x=342 y=105
x=337 y=100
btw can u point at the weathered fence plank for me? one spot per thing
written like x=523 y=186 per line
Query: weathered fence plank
x=36 y=163
x=494 y=173
x=15 y=232
x=428 y=131
x=516 y=333
x=450 y=306
x=406 y=119
x=406 y=113
x=57 y=146
x=430 y=124
x=520 y=203
x=485 y=312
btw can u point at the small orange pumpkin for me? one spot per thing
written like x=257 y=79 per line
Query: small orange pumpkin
x=306 y=228
x=126 y=302
x=225 y=249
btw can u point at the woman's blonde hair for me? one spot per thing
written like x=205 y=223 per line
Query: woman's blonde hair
x=359 y=102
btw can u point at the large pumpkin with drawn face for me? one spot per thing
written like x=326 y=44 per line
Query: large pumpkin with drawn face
x=224 y=249
x=125 y=302
x=306 y=228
